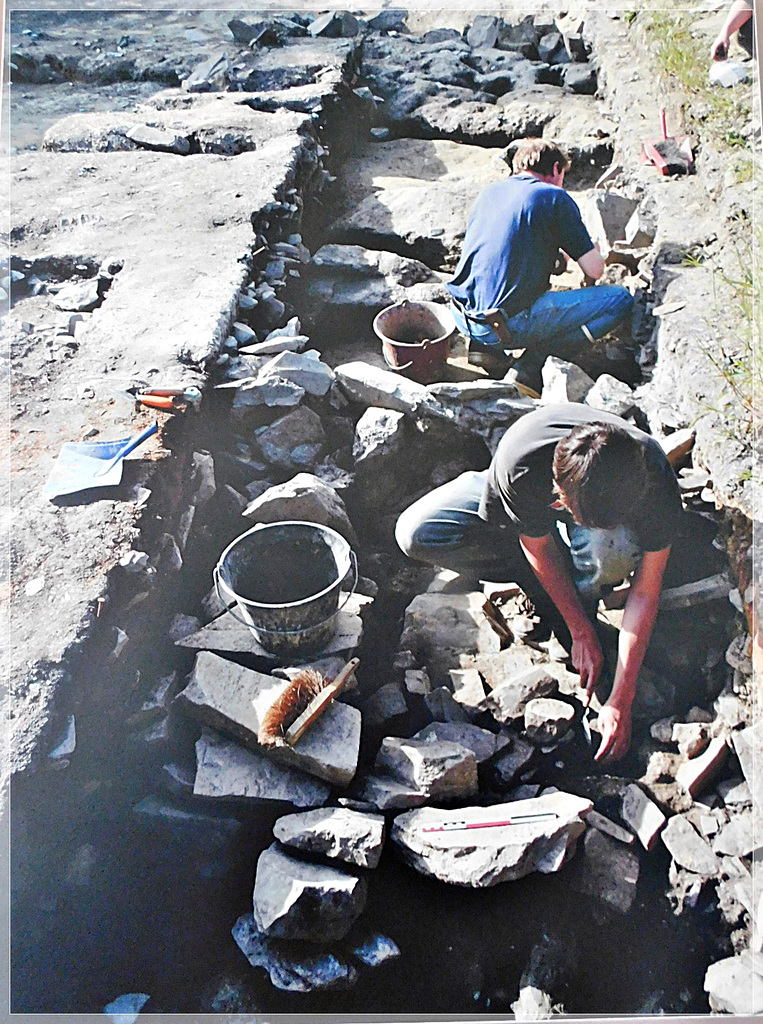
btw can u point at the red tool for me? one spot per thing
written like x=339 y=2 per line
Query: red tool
x=519 y=819
x=669 y=155
x=168 y=398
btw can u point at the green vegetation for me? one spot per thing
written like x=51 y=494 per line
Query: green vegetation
x=717 y=115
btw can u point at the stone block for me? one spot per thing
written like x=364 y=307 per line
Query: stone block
x=735 y=985
x=508 y=700
x=688 y=849
x=482 y=743
x=226 y=770
x=641 y=227
x=386 y=703
x=468 y=688
x=303 y=369
x=387 y=794
x=564 y=382
x=580 y=78
x=611 y=395
x=609 y=828
x=294 y=441
x=481 y=857
x=226 y=696
x=417 y=681
x=736 y=838
x=748 y=745
x=158 y=139
x=641 y=815
x=606 y=215
x=712 y=588
x=607 y=870
x=291 y=970
x=439 y=768
x=371 y=386
x=483 y=32
x=297 y=900
x=335 y=832
x=697 y=774
x=547 y=719
x=442 y=706
x=514 y=762
x=691 y=737
x=306 y=498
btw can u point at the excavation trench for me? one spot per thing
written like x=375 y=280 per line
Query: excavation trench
x=113 y=855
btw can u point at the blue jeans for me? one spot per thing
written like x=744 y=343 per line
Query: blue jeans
x=552 y=325
x=444 y=528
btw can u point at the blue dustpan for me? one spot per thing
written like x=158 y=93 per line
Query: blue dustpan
x=84 y=464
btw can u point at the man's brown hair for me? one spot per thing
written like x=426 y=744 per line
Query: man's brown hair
x=539 y=156
x=600 y=475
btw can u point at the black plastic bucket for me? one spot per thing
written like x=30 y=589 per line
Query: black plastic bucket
x=285 y=579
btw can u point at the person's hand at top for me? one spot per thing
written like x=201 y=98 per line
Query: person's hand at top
x=720 y=48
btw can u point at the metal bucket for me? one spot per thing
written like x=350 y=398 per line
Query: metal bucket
x=285 y=579
x=415 y=337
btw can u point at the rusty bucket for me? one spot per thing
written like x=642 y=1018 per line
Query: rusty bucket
x=414 y=337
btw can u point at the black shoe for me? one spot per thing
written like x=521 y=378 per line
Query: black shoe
x=526 y=377
x=491 y=358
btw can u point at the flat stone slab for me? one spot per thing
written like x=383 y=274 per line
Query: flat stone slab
x=696 y=774
x=228 y=635
x=482 y=857
x=297 y=900
x=336 y=832
x=291 y=970
x=640 y=814
x=387 y=794
x=226 y=696
x=225 y=769
x=688 y=849
x=438 y=768
x=482 y=743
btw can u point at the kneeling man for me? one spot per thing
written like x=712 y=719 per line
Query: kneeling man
x=576 y=499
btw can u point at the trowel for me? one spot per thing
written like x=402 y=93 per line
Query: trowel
x=84 y=464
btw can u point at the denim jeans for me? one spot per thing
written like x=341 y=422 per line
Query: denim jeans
x=444 y=528
x=552 y=325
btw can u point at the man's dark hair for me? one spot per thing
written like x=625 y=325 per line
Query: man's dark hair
x=539 y=156
x=600 y=475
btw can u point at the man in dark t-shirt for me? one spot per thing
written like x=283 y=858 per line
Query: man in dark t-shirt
x=519 y=231
x=583 y=499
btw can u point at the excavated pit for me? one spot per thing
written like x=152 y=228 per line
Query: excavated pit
x=113 y=855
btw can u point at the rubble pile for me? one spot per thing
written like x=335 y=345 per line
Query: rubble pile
x=465 y=737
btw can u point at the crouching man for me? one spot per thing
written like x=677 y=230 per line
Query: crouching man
x=574 y=499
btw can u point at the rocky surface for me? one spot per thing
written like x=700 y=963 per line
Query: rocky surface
x=486 y=856
x=296 y=900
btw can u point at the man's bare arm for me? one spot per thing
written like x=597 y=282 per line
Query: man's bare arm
x=638 y=620
x=552 y=570
x=592 y=264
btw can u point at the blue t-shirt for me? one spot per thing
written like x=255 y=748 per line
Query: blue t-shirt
x=514 y=234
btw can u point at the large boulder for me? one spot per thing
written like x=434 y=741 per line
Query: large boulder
x=336 y=832
x=304 y=497
x=297 y=900
x=481 y=857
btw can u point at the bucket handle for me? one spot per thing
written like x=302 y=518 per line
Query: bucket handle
x=284 y=632
x=392 y=366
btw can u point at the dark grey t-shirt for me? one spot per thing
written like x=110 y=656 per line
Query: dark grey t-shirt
x=520 y=479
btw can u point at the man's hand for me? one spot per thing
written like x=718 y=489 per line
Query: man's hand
x=587 y=659
x=720 y=48
x=615 y=729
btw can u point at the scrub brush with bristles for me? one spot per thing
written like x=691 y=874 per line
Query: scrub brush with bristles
x=303 y=700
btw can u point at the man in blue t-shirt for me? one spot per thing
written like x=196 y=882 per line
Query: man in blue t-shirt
x=519 y=231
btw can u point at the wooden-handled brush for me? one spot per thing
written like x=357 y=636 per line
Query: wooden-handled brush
x=305 y=698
